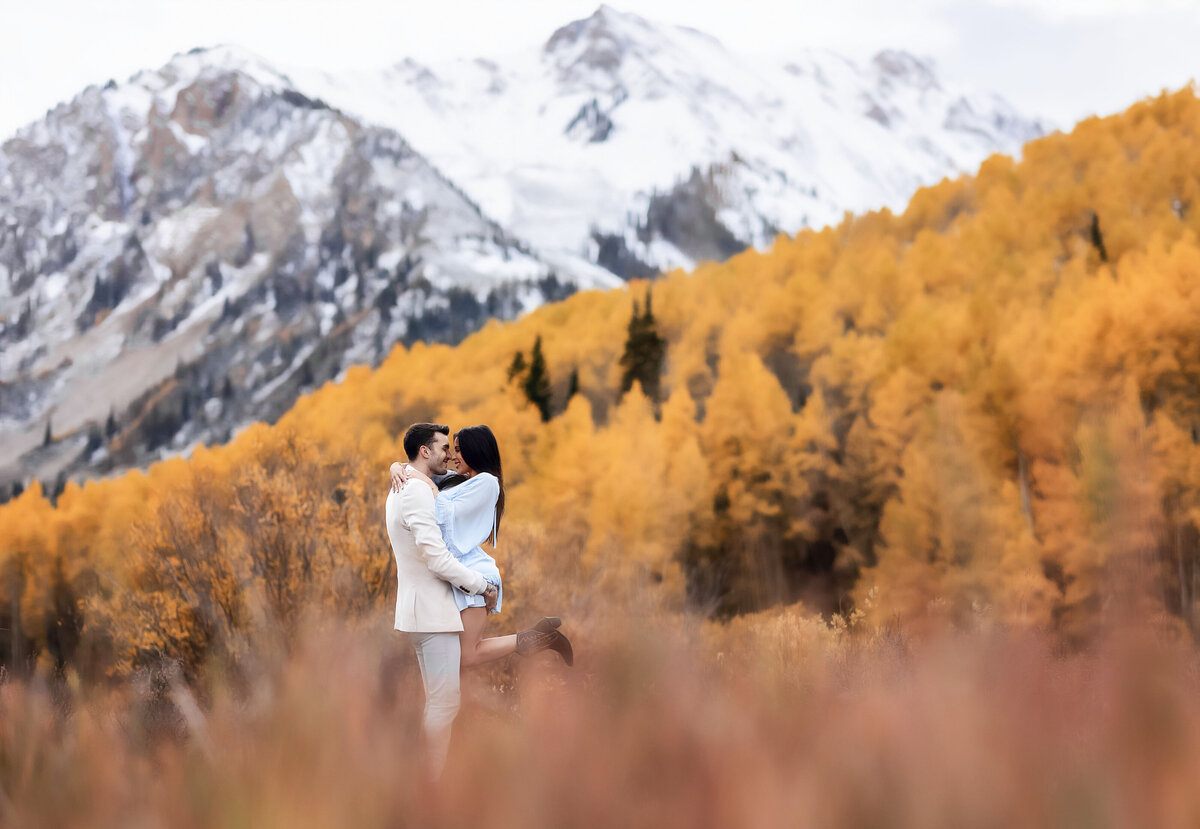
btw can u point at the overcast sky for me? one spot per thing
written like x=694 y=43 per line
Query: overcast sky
x=1061 y=59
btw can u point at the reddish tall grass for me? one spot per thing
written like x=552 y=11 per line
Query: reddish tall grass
x=776 y=720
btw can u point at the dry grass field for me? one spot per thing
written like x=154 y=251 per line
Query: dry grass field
x=776 y=719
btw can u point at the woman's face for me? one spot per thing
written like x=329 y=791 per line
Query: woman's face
x=463 y=468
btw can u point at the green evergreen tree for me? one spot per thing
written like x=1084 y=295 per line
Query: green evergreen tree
x=517 y=367
x=60 y=484
x=537 y=381
x=48 y=437
x=644 y=353
x=110 y=425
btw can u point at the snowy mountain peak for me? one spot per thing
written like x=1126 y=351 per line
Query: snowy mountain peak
x=896 y=66
x=636 y=143
x=614 y=51
x=603 y=37
x=224 y=58
x=593 y=50
x=159 y=89
x=221 y=63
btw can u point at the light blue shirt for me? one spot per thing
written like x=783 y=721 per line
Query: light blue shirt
x=466 y=515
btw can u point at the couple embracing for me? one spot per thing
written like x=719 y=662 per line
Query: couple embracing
x=447 y=584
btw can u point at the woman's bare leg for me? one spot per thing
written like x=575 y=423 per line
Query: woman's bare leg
x=475 y=649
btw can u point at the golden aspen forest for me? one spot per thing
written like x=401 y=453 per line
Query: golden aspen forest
x=953 y=447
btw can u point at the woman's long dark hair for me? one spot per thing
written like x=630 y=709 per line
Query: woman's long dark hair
x=477 y=446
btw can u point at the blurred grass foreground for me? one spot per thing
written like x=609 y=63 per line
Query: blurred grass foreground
x=772 y=720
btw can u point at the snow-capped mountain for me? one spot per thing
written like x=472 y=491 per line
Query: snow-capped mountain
x=188 y=251
x=191 y=249
x=644 y=146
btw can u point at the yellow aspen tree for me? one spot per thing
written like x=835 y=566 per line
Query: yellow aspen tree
x=746 y=435
x=942 y=552
x=563 y=471
x=870 y=467
x=631 y=538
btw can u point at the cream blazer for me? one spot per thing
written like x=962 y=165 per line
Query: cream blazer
x=425 y=569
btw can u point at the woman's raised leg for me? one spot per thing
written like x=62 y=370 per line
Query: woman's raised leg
x=475 y=649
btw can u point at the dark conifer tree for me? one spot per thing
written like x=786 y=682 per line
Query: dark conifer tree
x=60 y=483
x=517 y=367
x=537 y=381
x=1098 y=238
x=644 y=352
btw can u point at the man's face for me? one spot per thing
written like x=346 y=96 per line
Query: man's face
x=453 y=459
x=439 y=453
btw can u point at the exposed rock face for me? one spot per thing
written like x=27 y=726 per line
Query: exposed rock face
x=191 y=250
x=590 y=123
x=686 y=217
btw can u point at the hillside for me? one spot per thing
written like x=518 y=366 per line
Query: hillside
x=985 y=407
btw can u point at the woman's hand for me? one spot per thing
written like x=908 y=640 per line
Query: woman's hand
x=490 y=596
x=400 y=475
x=403 y=473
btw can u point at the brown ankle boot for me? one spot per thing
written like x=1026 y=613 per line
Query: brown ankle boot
x=546 y=636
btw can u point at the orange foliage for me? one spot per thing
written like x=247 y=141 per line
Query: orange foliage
x=987 y=405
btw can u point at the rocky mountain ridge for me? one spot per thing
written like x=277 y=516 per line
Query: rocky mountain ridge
x=641 y=146
x=190 y=250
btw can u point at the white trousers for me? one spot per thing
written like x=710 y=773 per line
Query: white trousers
x=440 y=658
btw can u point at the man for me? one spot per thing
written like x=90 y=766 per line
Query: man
x=425 y=569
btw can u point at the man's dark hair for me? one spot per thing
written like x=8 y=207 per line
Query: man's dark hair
x=421 y=434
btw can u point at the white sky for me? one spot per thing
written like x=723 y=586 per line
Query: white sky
x=1063 y=59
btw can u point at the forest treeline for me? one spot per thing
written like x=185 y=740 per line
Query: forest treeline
x=988 y=405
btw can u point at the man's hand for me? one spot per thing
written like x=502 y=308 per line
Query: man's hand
x=400 y=475
x=490 y=597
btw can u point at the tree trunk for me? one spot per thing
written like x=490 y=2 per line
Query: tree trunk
x=1023 y=481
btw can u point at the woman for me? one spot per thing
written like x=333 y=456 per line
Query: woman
x=469 y=506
